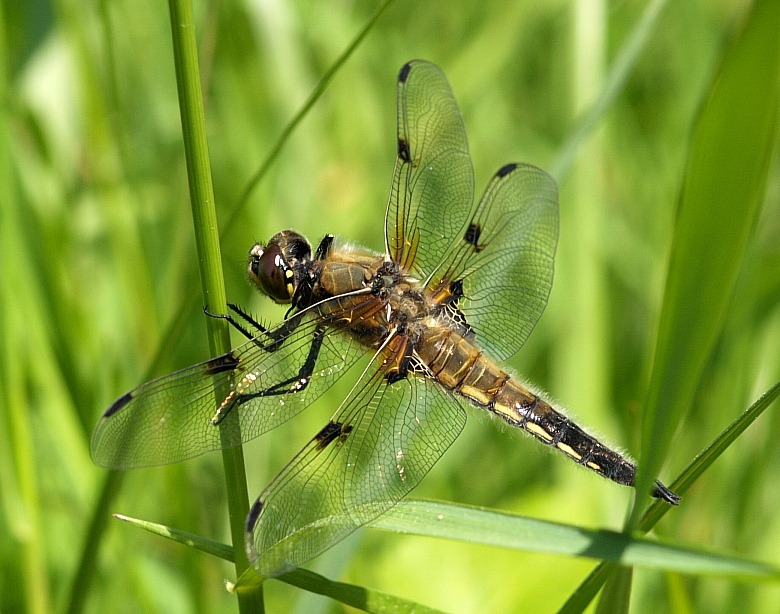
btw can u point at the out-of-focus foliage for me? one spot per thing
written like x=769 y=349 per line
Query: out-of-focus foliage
x=97 y=258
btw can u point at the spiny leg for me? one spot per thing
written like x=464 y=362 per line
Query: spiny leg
x=277 y=335
x=292 y=385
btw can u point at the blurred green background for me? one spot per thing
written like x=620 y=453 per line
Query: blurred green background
x=98 y=259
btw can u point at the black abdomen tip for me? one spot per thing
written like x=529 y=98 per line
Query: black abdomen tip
x=662 y=492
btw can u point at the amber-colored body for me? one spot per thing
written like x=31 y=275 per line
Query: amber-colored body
x=445 y=350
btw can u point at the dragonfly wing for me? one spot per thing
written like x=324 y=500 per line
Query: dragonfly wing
x=377 y=447
x=504 y=260
x=168 y=419
x=501 y=251
x=433 y=184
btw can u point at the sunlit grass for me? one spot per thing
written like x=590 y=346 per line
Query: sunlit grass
x=97 y=257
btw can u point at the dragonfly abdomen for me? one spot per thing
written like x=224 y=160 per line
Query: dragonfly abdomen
x=520 y=407
x=463 y=368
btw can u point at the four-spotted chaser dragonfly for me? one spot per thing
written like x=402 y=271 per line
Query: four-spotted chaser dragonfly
x=424 y=326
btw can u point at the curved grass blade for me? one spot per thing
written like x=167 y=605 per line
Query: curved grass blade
x=721 y=195
x=719 y=202
x=704 y=459
x=223 y=551
x=315 y=95
x=619 y=73
x=359 y=597
x=590 y=587
x=488 y=527
x=348 y=594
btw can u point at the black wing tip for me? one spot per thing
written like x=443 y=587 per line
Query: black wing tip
x=506 y=169
x=118 y=404
x=663 y=493
x=403 y=74
x=254 y=514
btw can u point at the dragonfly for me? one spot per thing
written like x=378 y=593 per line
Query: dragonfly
x=424 y=328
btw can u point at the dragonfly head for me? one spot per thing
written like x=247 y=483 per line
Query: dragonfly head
x=275 y=268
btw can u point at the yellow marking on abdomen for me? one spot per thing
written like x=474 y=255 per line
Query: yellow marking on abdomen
x=593 y=466
x=537 y=430
x=476 y=394
x=569 y=450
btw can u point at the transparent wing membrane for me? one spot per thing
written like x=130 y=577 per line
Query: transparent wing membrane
x=168 y=419
x=433 y=184
x=502 y=249
x=505 y=260
x=376 y=448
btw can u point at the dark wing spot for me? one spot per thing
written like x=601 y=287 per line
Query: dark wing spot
x=404 y=72
x=403 y=151
x=396 y=376
x=330 y=432
x=226 y=362
x=118 y=404
x=505 y=170
x=251 y=519
x=456 y=290
x=472 y=235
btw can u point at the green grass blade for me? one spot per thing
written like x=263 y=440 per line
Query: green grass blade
x=348 y=594
x=314 y=96
x=709 y=455
x=615 y=80
x=488 y=527
x=720 y=199
x=19 y=480
x=207 y=241
x=590 y=587
x=366 y=599
x=198 y=542
x=356 y=596
x=616 y=595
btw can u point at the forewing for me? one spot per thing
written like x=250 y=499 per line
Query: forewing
x=505 y=258
x=433 y=183
x=378 y=446
x=168 y=419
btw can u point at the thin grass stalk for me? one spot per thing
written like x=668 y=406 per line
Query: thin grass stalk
x=585 y=592
x=172 y=334
x=615 y=80
x=584 y=363
x=315 y=95
x=210 y=261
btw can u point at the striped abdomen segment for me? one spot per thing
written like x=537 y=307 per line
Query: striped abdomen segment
x=461 y=367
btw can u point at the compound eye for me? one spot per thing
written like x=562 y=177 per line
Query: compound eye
x=268 y=271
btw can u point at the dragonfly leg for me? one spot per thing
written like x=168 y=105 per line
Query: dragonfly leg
x=292 y=385
x=277 y=336
x=235 y=323
x=323 y=249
